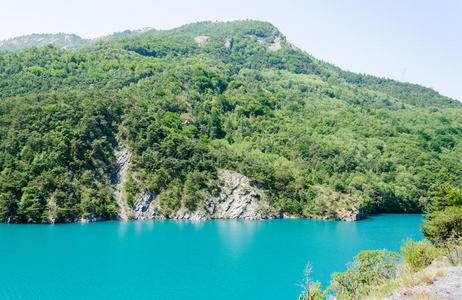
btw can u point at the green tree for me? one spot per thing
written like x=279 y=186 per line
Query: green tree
x=443 y=220
x=369 y=268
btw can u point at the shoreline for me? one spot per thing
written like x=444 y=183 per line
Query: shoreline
x=365 y=217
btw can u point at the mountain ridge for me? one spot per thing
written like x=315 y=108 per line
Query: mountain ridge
x=70 y=41
x=75 y=42
x=204 y=97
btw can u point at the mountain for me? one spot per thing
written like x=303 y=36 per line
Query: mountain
x=62 y=40
x=214 y=120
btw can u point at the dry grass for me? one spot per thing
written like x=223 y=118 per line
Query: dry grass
x=423 y=295
x=428 y=276
x=406 y=280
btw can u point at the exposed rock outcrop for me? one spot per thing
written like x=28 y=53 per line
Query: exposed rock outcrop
x=202 y=40
x=123 y=161
x=238 y=199
x=52 y=210
x=355 y=214
x=337 y=205
x=146 y=207
x=276 y=45
x=228 y=44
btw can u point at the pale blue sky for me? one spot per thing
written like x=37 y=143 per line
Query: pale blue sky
x=420 y=40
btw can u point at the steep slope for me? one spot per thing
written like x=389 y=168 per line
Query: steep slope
x=123 y=162
x=237 y=199
x=318 y=141
x=56 y=158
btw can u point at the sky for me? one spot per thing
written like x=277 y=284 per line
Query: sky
x=418 y=41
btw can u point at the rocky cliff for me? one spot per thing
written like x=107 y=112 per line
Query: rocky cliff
x=123 y=162
x=238 y=199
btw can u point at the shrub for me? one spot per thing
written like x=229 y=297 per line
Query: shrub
x=369 y=268
x=419 y=254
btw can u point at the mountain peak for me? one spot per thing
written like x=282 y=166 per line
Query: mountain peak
x=260 y=29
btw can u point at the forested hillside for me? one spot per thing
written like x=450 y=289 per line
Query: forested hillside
x=62 y=40
x=189 y=101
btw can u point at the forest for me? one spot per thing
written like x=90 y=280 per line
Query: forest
x=243 y=99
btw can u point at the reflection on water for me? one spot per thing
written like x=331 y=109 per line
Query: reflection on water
x=236 y=235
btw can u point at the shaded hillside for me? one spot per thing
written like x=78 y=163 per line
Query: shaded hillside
x=207 y=96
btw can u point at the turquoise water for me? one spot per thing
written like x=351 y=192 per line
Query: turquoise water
x=223 y=259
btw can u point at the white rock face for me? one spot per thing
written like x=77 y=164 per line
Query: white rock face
x=355 y=214
x=202 y=40
x=237 y=200
x=123 y=161
x=146 y=207
x=228 y=43
x=184 y=214
x=276 y=45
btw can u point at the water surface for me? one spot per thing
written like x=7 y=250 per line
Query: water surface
x=223 y=259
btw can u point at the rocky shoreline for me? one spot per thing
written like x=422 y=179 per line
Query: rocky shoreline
x=238 y=199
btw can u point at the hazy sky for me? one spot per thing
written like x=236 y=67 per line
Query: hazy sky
x=419 y=41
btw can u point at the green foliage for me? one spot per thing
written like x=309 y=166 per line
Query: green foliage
x=443 y=220
x=195 y=183
x=296 y=126
x=369 y=268
x=445 y=225
x=170 y=198
x=316 y=292
x=443 y=196
x=56 y=150
x=419 y=254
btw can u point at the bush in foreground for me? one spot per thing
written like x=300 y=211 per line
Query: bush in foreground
x=369 y=268
x=418 y=255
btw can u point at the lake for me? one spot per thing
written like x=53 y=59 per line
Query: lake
x=223 y=259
